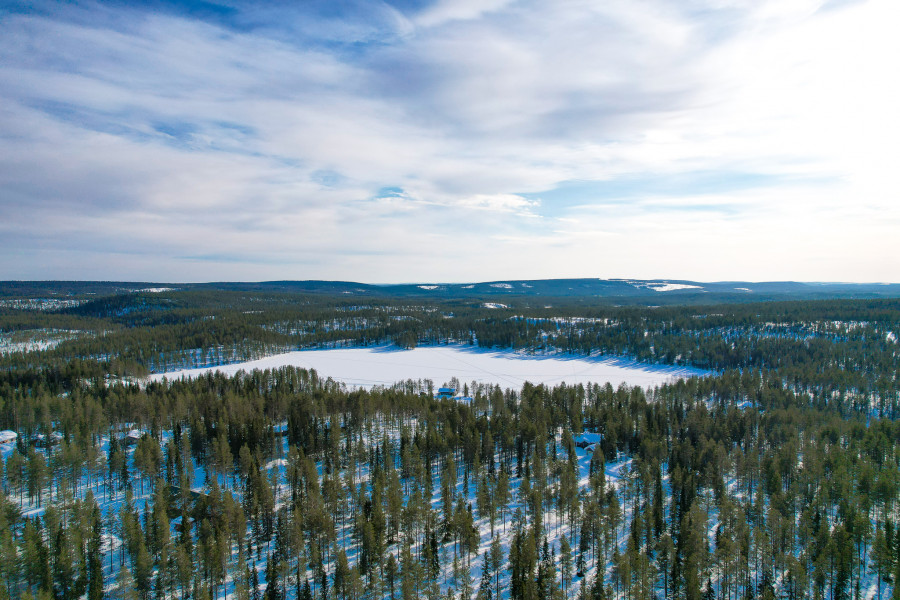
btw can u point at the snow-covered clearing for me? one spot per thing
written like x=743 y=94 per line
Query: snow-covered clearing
x=662 y=286
x=671 y=287
x=383 y=365
x=31 y=340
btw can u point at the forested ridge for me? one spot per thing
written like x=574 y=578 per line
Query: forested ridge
x=777 y=477
x=843 y=345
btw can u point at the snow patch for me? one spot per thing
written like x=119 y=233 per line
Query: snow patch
x=42 y=304
x=502 y=286
x=670 y=287
x=664 y=286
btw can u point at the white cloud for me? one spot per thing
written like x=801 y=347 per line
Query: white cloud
x=198 y=151
x=445 y=11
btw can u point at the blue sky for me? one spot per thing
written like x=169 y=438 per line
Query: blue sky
x=469 y=140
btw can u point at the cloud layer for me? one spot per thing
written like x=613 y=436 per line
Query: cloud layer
x=449 y=141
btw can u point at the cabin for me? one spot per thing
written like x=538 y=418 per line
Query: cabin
x=194 y=493
x=588 y=439
x=446 y=392
x=132 y=437
x=8 y=437
x=47 y=441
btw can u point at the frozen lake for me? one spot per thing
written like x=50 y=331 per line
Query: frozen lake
x=385 y=365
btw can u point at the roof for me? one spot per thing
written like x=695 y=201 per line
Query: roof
x=7 y=436
x=589 y=437
x=49 y=440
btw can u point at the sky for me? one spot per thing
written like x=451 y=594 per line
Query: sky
x=450 y=141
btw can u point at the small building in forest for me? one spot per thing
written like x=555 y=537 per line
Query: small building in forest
x=48 y=441
x=587 y=439
x=8 y=437
x=446 y=392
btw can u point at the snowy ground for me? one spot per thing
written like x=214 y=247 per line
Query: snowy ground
x=367 y=367
x=31 y=340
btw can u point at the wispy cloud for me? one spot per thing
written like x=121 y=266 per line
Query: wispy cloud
x=449 y=140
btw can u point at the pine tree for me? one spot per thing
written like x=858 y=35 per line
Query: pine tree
x=9 y=567
x=242 y=579
x=184 y=567
x=341 y=575
x=37 y=475
x=15 y=473
x=882 y=557
x=125 y=585
x=496 y=554
x=565 y=556
x=63 y=566
x=254 y=584
x=391 y=573
x=95 y=558
x=895 y=595
x=409 y=581
x=502 y=495
x=143 y=569
x=273 y=590
x=306 y=593
x=523 y=565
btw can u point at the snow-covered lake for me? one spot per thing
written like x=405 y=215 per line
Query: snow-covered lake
x=385 y=365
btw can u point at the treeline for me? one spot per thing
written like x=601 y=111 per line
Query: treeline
x=843 y=351
x=727 y=487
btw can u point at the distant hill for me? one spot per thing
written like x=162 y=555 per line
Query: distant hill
x=616 y=291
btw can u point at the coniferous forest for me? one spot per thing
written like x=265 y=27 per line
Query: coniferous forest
x=776 y=476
